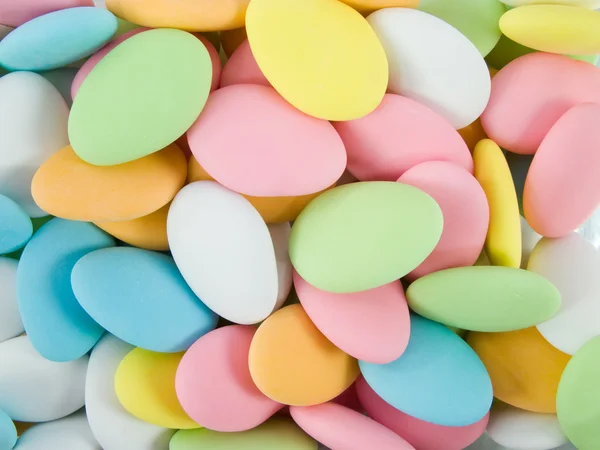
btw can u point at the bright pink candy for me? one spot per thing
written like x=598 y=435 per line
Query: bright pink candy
x=398 y=135
x=422 y=435
x=16 y=12
x=465 y=210
x=562 y=188
x=242 y=68
x=338 y=427
x=214 y=385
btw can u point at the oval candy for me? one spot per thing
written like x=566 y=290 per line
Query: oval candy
x=372 y=5
x=15 y=226
x=529 y=239
x=472 y=134
x=242 y=68
x=16 y=14
x=8 y=432
x=591 y=4
x=11 y=324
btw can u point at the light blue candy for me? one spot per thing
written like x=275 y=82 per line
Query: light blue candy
x=57 y=39
x=58 y=327
x=141 y=298
x=438 y=379
x=8 y=432
x=15 y=226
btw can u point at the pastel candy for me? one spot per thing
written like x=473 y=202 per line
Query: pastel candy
x=8 y=432
x=17 y=13
x=242 y=68
x=15 y=226
x=371 y=5
x=315 y=372
x=529 y=239
x=530 y=94
x=591 y=4
x=395 y=234
x=140 y=97
x=371 y=325
x=57 y=39
x=229 y=257
x=438 y=379
x=278 y=151
x=420 y=434
x=33 y=119
x=398 y=135
x=54 y=321
x=145 y=386
x=214 y=384
x=11 y=324
x=66 y=186
x=472 y=134
x=339 y=427
x=326 y=86
x=419 y=47
x=465 y=210
x=33 y=389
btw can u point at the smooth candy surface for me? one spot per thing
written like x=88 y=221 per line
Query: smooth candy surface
x=286 y=35
x=438 y=378
x=485 y=298
x=315 y=372
x=8 y=432
x=33 y=119
x=371 y=5
x=529 y=239
x=214 y=384
x=339 y=427
x=371 y=325
x=57 y=39
x=276 y=150
x=33 y=389
x=591 y=4
x=242 y=68
x=140 y=97
x=15 y=226
x=398 y=135
x=54 y=320
x=393 y=226
x=227 y=254
x=15 y=14
x=11 y=324
x=419 y=47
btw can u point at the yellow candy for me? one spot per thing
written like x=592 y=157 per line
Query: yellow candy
x=503 y=241
x=373 y=5
x=320 y=55
x=554 y=28
x=145 y=386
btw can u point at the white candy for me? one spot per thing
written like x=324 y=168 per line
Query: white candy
x=113 y=427
x=226 y=254
x=33 y=389
x=529 y=239
x=432 y=62
x=11 y=324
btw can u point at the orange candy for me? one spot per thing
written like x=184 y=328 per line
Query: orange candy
x=472 y=134
x=232 y=39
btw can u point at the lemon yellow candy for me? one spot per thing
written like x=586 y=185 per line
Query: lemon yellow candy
x=554 y=28
x=503 y=241
x=145 y=387
x=320 y=55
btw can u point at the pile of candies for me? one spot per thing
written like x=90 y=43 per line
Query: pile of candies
x=287 y=224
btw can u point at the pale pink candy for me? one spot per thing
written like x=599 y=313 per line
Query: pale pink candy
x=562 y=188
x=531 y=93
x=214 y=385
x=16 y=12
x=242 y=68
x=348 y=398
x=465 y=210
x=372 y=325
x=398 y=135
x=422 y=435
x=338 y=427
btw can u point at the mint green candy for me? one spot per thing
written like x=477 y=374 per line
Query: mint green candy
x=578 y=397
x=140 y=97
x=363 y=235
x=276 y=434
x=484 y=298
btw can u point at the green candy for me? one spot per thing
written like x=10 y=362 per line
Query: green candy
x=276 y=434
x=476 y=19
x=140 y=97
x=578 y=397
x=481 y=298
x=363 y=235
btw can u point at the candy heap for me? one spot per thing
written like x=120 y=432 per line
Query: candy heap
x=269 y=224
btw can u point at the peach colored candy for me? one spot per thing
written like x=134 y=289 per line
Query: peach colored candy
x=242 y=68
x=372 y=325
x=465 y=210
x=16 y=12
x=531 y=93
x=472 y=134
x=339 y=427
x=398 y=135
x=562 y=188
x=422 y=435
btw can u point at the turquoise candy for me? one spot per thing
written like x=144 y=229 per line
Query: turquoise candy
x=438 y=379
x=57 y=39
x=15 y=226
x=8 y=432
x=59 y=329
x=140 y=297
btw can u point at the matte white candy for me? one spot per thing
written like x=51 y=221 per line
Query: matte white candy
x=529 y=239
x=11 y=324
x=113 y=427
x=33 y=125
x=237 y=265
x=572 y=264
x=33 y=389
x=432 y=62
